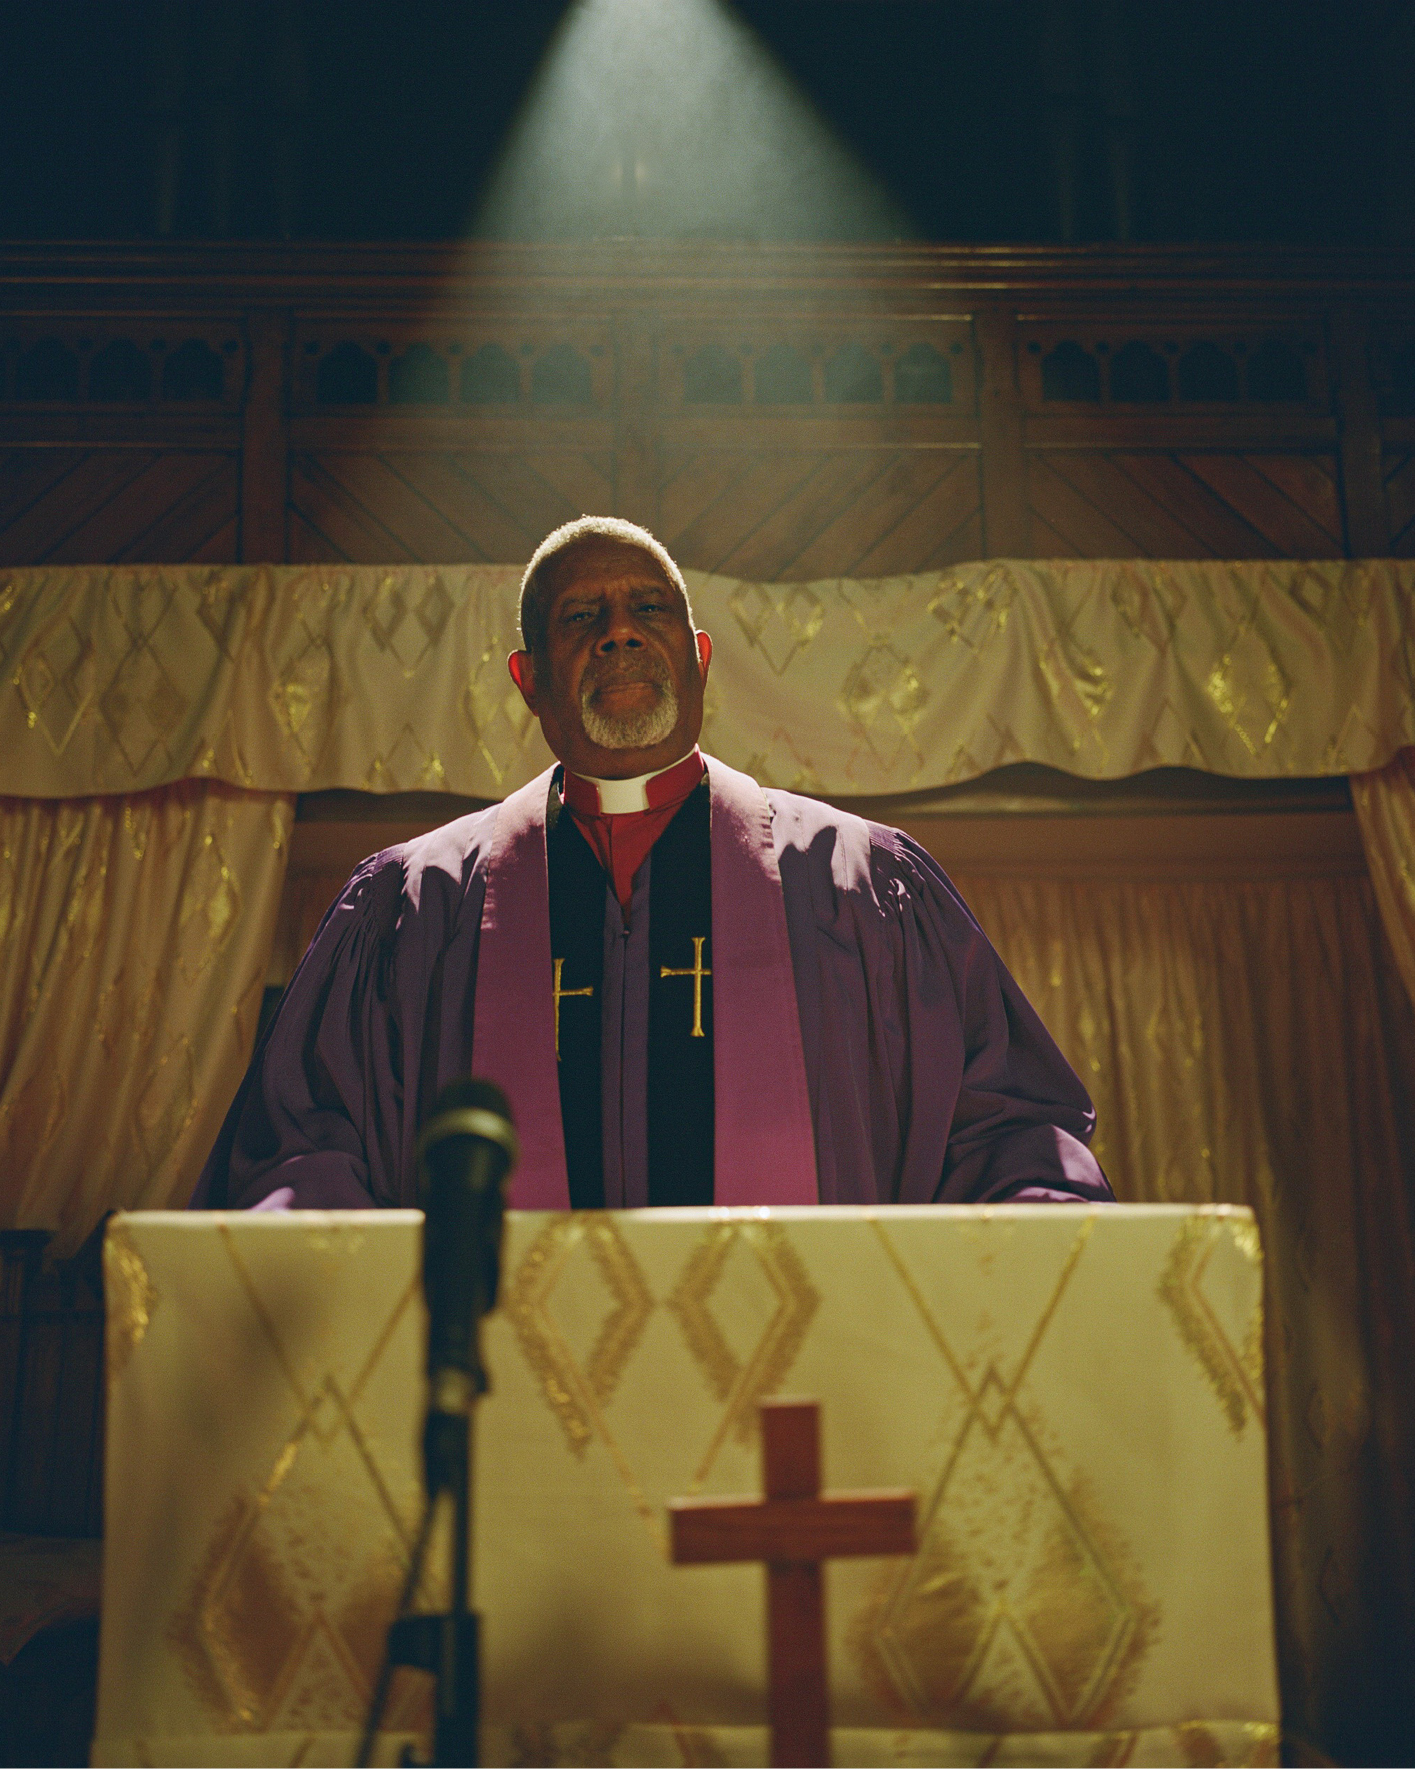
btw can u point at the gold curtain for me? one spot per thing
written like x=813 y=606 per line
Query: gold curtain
x=136 y=933
x=1252 y=1044
x=1385 y=809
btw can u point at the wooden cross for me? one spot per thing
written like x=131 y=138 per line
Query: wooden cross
x=793 y=1530
x=559 y=996
x=697 y=973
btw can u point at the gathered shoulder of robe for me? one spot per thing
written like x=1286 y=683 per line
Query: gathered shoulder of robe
x=931 y=1079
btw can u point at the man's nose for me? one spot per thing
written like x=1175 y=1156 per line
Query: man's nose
x=618 y=631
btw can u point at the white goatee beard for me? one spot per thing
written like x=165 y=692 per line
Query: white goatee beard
x=630 y=730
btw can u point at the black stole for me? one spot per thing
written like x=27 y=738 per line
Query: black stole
x=680 y=1059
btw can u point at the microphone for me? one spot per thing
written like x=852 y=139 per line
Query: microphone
x=464 y=1153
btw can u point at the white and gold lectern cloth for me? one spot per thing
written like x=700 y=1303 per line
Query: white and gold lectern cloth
x=1076 y=1395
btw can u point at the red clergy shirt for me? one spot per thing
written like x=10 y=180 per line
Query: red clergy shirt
x=622 y=839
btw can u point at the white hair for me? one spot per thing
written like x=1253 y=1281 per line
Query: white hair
x=540 y=573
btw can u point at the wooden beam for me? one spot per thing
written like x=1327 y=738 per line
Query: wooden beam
x=1359 y=429
x=1006 y=520
x=637 y=466
x=265 y=439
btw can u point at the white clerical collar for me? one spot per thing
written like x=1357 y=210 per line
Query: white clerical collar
x=617 y=796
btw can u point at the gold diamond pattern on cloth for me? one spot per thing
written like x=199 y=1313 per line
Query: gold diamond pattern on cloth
x=580 y=1304
x=267 y=1639
x=576 y=1390
x=1017 y=1367
x=296 y=678
x=778 y=621
x=1043 y=1618
x=739 y=1381
x=1229 y=1352
x=55 y=680
x=404 y=627
x=130 y=1297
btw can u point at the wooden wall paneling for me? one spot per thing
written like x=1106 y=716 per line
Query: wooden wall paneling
x=534 y=491
x=1399 y=466
x=1191 y=505
x=721 y=535
x=1290 y=501
x=455 y=485
x=385 y=490
x=693 y=482
x=637 y=471
x=1216 y=528
x=185 y=497
x=582 y=477
x=92 y=479
x=803 y=536
x=1093 y=499
x=265 y=441
x=200 y=526
x=1006 y=525
x=439 y=508
x=388 y=403
x=1366 y=528
x=924 y=511
x=799 y=445
x=775 y=512
x=56 y=1480
x=123 y=504
x=26 y=474
x=20 y=1253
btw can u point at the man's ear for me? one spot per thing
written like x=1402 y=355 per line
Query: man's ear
x=704 y=644
x=523 y=674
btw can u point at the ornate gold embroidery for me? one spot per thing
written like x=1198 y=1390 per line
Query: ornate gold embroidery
x=524 y=1299
x=695 y=970
x=1235 y=1373
x=622 y=1330
x=573 y=1392
x=1043 y=1620
x=132 y=1299
x=251 y=1630
x=740 y=1386
x=559 y=994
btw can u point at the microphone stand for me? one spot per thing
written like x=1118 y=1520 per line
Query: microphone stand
x=448 y=1645
x=464 y=1154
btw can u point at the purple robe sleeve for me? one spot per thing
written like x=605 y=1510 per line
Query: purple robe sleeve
x=1022 y=1119
x=932 y=1078
x=375 y=1020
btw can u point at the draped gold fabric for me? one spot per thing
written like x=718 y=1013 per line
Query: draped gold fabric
x=136 y=932
x=1253 y=1044
x=1385 y=808
x=291 y=678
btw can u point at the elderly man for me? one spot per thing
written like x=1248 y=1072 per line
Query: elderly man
x=692 y=990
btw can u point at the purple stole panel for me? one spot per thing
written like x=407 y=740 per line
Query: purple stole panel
x=764 y=1142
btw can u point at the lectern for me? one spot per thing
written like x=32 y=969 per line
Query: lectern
x=1075 y=1395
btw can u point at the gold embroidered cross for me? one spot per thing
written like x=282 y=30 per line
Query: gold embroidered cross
x=697 y=973
x=559 y=996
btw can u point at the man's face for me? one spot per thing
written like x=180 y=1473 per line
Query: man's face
x=619 y=688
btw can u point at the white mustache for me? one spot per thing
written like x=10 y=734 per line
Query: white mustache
x=639 y=729
x=652 y=672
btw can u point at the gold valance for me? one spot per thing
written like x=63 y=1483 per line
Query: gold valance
x=292 y=678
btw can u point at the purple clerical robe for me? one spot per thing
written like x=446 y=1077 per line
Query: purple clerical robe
x=869 y=1045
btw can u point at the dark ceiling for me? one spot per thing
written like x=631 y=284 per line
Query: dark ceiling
x=964 y=120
